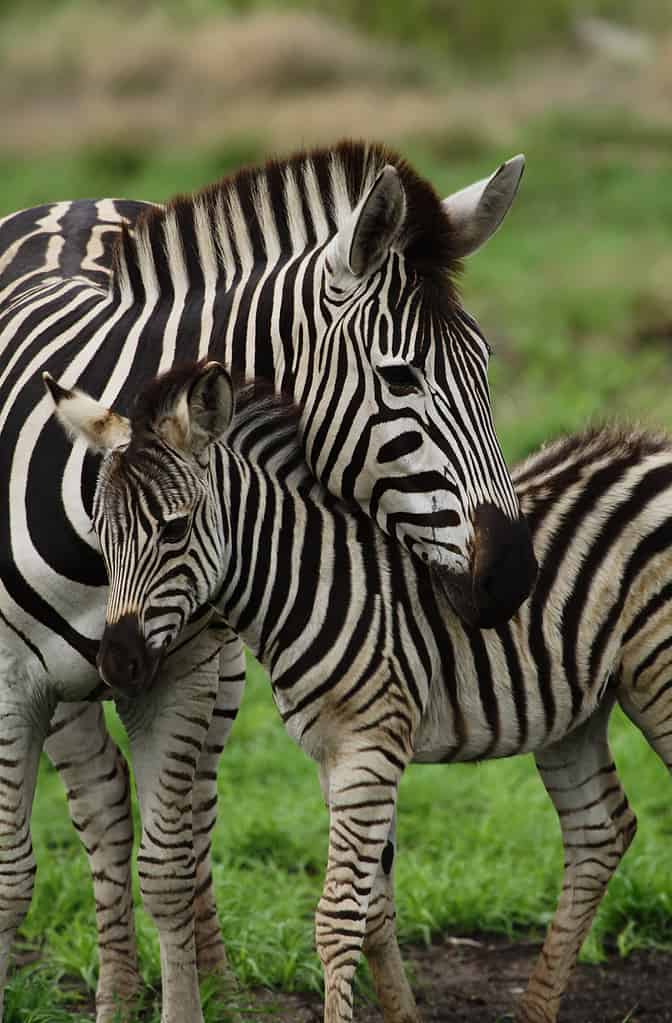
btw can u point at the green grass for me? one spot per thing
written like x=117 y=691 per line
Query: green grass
x=479 y=848
x=574 y=294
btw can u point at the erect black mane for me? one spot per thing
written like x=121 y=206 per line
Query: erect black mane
x=428 y=241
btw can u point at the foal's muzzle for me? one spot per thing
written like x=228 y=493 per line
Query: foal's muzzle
x=125 y=662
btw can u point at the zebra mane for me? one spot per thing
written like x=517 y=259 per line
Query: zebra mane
x=258 y=409
x=262 y=414
x=270 y=206
x=567 y=455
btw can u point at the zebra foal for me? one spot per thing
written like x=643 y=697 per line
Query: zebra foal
x=331 y=276
x=370 y=666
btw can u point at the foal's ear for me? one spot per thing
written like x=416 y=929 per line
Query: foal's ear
x=476 y=211
x=211 y=404
x=81 y=416
x=202 y=412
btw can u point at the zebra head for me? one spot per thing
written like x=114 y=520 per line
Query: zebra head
x=154 y=512
x=418 y=450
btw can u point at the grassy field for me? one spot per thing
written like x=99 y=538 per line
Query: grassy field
x=574 y=295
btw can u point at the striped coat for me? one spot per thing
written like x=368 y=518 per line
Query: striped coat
x=331 y=275
x=370 y=665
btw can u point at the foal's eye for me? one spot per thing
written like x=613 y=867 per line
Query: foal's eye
x=400 y=379
x=175 y=529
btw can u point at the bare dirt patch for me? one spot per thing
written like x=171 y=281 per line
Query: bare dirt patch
x=471 y=980
x=481 y=981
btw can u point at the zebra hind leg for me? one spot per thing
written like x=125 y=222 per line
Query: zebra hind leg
x=381 y=947
x=651 y=710
x=96 y=779
x=210 y=951
x=597 y=827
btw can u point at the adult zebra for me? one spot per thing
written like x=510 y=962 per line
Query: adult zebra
x=369 y=664
x=331 y=276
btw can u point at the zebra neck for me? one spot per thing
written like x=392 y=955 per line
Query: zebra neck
x=204 y=299
x=278 y=527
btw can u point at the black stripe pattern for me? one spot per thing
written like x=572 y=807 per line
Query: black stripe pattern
x=371 y=667
x=103 y=295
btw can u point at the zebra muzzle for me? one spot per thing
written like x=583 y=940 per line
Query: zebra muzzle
x=503 y=573
x=505 y=566
x=125 y=662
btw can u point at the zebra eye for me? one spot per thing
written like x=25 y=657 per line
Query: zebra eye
x=175 y=529
x=400 y=379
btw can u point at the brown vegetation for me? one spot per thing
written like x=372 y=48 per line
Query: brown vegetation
x=286 y=78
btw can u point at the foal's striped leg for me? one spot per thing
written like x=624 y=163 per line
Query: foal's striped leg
x=362 y=795
x=381 y=947
x=210 y=950
x=96 y=778
x=650 y=708
x=597 y=828
x=361 y=779
x=167 y=727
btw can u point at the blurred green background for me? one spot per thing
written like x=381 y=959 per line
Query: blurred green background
x=145 y=100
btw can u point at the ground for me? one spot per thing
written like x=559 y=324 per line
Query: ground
x=479 y=980
x=476 y=979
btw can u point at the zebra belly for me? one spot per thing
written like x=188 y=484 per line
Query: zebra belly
x=438 y=740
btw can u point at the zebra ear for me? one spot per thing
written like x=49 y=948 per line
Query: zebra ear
x=477 y=211
x=364 y=241
x=210 y=405
x=81 y=416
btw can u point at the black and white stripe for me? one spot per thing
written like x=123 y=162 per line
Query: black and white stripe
x=319 y=274
x=371 y=667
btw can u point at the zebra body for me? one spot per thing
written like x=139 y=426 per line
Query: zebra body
x=330 y=276
x=370 y=665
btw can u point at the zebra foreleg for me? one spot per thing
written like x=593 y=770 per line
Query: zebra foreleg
x=24 y=721
x=167 y=727
x=96 y=778
x=597 y=828
x=380 y=943
x=362 y=795
x=210 y=951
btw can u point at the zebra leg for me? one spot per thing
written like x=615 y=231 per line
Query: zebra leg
x=96 y=779
x=167 y=726
x=380 y=943
x=651 y=710
x=597 y=827
x=362 y=793
x=210 y=951
x=24 y=722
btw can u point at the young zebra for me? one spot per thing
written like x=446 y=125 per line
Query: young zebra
x=370 y=666
x=331 y=276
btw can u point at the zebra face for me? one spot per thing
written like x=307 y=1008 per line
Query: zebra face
x=160 y=538
x=427 y=465
x=159 y=527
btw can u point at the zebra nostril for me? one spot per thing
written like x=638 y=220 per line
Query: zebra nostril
x=132 y=669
